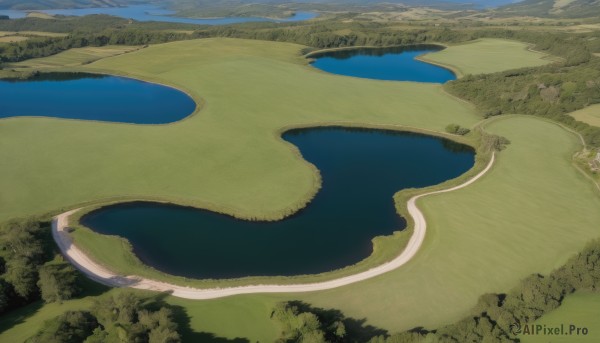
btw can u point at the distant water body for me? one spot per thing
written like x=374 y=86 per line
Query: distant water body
x=94 y=97
x=392 y=64
x=155 y=13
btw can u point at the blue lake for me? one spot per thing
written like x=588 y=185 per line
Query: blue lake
x=94 y=97
x=392 y=64
x=361 y=170
x=156 y=13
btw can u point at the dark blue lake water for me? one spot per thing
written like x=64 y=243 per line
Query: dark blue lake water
x=392 y=64
x=361 y=170
x=94 y=97
x=156 y=13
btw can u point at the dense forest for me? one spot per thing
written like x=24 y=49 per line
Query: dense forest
x=490 y=320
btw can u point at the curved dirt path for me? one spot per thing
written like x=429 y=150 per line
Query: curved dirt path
x=102 y=275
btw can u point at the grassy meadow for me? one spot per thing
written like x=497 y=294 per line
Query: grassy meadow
x=580 y=309
x=12 y=39
x=487 y=55
x=223 y=155
x=74 y=57
x=32 y=33
x=590 y=115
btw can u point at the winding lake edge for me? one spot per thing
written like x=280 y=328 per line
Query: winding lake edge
x=379 y=256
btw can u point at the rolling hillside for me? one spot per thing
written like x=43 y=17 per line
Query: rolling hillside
x=51 y=4
x=552 y=8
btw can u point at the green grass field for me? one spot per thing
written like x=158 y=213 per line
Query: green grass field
x=75 y=57
x=13 y=37
x=590 y=115
x=487 y=56
x=221 y=156
x=579 y=309
x=32 y=33
x=529 y=214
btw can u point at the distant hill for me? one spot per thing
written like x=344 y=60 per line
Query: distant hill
x=552 y=8
x=535 y=8
x=202 y=4
x=479 y=3
x=54 y=4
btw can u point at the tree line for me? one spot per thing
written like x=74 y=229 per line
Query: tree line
x=30 y=268
x=121 y=318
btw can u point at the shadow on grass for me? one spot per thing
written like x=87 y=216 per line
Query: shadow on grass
x=356 y=329
x=182 y=319
x=19 y=315
x=90 y=287
x=22 y=313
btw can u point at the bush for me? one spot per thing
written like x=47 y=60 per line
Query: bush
x=124 y=317
x=70 y=327
x=457 y=129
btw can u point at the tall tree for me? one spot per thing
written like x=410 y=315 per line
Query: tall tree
x=57 y=282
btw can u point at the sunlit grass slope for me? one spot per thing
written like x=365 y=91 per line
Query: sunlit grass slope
x=590 y=115
x=227 y=156
x=487 y=56
x=581 y=310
